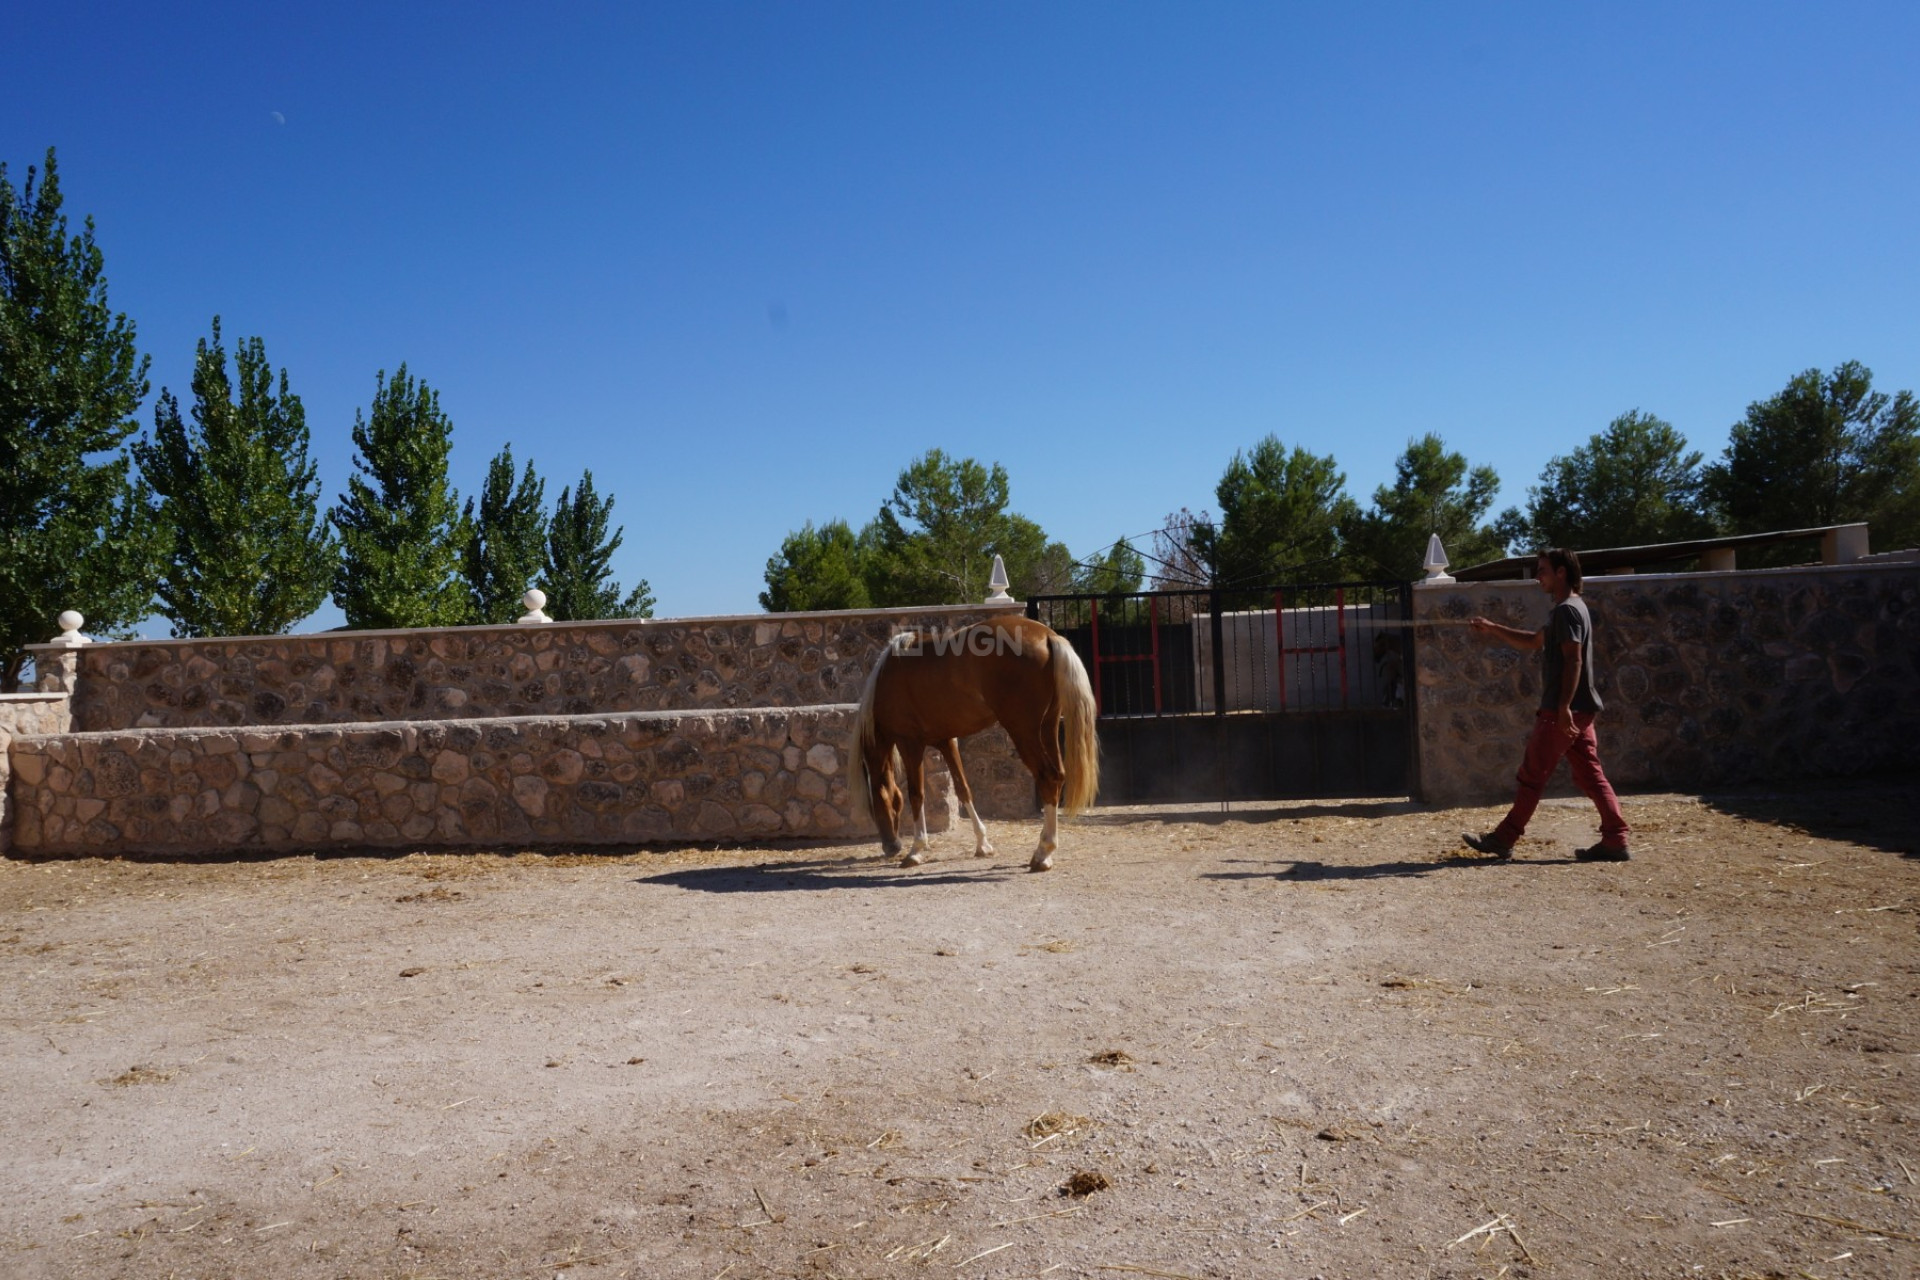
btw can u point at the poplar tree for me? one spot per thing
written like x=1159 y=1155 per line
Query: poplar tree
x=76 y=529
x=508 y=543
x=251 y=551
x=578 y=571
x=400 y=524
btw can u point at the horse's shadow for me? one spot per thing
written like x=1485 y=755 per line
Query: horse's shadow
x=1304 y=871
x=845 y=873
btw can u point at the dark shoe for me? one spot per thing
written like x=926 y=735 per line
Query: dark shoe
x=1602 y=853
x=1487 y=844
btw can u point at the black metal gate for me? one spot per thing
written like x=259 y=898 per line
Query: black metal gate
x=1296 y=691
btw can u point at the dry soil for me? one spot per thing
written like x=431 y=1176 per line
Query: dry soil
x=1291 y=1042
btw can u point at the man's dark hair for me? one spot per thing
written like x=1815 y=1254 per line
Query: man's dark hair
x=1562 y=558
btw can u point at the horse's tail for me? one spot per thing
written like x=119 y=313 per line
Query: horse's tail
x=1075 y=695
x=863 y=742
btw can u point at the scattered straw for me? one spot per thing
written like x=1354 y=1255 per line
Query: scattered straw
x=1111 y=1058
x=983 y=1253
x=138 y=1074
x=1053 y=1124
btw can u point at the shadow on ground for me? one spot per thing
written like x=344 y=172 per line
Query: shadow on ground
x=1250 y=811
x=1882 y=813
x=841 y=873
x=1308 y=871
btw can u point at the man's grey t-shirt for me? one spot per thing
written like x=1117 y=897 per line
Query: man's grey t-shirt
x=1568 y=621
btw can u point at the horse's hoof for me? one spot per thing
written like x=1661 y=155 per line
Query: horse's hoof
x=914 y=858
x=1041 y=862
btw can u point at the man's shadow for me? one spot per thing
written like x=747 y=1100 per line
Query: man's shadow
x=1306 y=871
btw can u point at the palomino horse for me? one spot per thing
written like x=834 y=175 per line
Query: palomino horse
x=932 y=690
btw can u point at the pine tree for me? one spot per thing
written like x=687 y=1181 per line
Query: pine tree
x=401 y=529
x=251 y=551
x=1634 y=484
x=76 y=530
x=579 y=559
x=1828 y=449
x=1280 y=517
x=508 y=542
x=816 y=569
x=1433 y=491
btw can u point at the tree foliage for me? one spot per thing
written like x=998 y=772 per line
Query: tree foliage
x=1433 y=491
x=1117 y=571
x=76 y=530
x=932 y=542
x=1828 y=449
x=506 y=546
x=1280 y=516
x=817 y=568
x=578 y=573
x=1634 y=484
x=401 y=528
x=1178 y=564
x=251 y=552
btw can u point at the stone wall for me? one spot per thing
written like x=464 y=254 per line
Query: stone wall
x=621 y=732
x=1709 y=679
x=621 y=779
x=552 y=669
x=24 y=713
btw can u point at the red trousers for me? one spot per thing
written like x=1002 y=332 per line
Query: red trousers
x=1582 y=751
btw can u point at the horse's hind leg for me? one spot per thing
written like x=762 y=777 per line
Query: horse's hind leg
x=1039 y=747
x=916 y=769
x=982 y=847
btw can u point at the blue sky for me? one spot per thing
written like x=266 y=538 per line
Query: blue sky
x=745 y=261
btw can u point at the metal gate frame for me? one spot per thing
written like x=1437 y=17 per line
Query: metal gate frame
x=1216 y=716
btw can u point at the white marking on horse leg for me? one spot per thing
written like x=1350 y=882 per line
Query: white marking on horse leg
x=916 y=854
x=920 y=841
x=1049 y=830
x=982 y=847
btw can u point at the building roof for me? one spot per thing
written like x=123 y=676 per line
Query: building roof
x=1605 y=559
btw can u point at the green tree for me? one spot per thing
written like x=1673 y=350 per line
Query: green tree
x=401 y=529
x=1828 y=449
x=1634 y=484
x=1280 y=516
x=1036 y=565
x=507 y=545
x=1117 y=571
x=821 y=568
x=578 y=568
x=1433 y=491
x=76 y=529
x=251 y=552
x=935 y=537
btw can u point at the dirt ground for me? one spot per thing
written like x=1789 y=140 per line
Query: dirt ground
x=1291 y=1042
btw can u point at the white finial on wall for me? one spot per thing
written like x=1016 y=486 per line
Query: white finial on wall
x=70 y=624
x=997 y=583
x=1436 y=563
x=535 y=600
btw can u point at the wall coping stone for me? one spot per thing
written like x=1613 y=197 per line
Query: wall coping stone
x=514 y=628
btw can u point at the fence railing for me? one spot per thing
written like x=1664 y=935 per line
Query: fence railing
x=1295 y=647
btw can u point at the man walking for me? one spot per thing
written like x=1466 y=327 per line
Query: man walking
x=1564 y=726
